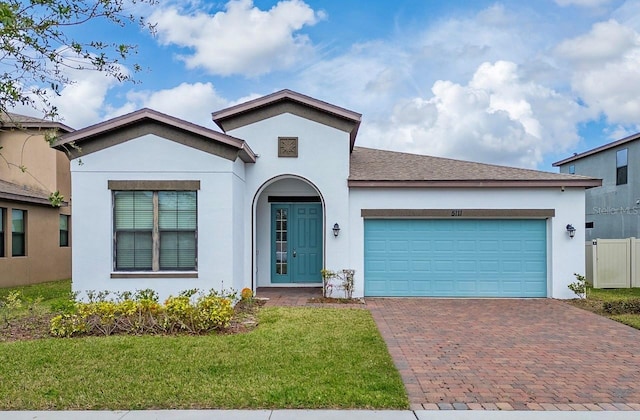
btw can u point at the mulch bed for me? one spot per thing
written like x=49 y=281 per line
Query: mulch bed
x=590 y=305
x=26 y=328
x=35 y=327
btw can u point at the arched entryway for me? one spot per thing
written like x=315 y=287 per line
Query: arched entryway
x=288 y=233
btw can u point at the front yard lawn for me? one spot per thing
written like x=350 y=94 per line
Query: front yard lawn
x=597 y=298
x=295 y=358
x=608 y=295
x=632 y=320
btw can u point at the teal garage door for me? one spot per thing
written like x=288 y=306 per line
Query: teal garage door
x=461 y=258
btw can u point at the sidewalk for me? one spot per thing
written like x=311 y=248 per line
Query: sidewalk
x=316 y=415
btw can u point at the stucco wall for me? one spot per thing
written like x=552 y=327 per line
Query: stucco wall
x=153 y=158
x=46 y=170
x=29 y=149
x=46 y=260
x=323 y=161
x=565 y=256
x=614 y=209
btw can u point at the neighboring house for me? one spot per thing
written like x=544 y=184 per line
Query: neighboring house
x=612 y=210
x=34 y=235
x=165 y=204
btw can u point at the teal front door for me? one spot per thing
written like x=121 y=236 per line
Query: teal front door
x=296 y=242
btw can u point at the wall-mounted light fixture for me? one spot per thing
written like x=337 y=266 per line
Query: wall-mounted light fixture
x=336 y=230
x=571 y=230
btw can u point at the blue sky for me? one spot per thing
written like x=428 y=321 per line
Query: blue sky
x=513 y=83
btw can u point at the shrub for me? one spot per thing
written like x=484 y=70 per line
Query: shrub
x=246 y=293
x=618 y=307
x=346 y=279
x=579 y=287
x=141 y=313
x=67 y=325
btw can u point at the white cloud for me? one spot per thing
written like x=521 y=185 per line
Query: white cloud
x=190 y=102
x=79 y=102
x=604 y=66
x=242 y=39
x=496 y=117
x=605 y=42
x=368 y=77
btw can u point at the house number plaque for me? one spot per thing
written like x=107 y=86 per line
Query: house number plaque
x=456 y=213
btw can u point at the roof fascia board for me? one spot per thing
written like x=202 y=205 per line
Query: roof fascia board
x=292 y=102
x=285 y=94
x=598 y=149
x=146 y=121
x=29 y=199
x=583 y=183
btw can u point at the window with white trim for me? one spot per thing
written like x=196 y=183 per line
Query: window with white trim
x=155 y=230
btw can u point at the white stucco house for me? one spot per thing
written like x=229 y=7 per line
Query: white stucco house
x=165 y=204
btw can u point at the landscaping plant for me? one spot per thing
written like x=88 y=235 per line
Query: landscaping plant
x=346 y=279
x=191 y=312
x=579 y=287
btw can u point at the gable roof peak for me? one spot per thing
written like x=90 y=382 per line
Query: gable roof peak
x=147 y=117
x=288 y=101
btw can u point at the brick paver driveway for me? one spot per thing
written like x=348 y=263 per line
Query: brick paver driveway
x=509 y=353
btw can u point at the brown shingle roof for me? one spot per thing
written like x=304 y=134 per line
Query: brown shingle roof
x=12 y=120
x=382 y=168
x=15 y=192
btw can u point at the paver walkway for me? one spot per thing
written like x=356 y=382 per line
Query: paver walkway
x=288 y=296
x=523 y=354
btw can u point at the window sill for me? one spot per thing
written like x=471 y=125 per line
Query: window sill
x=155 y=275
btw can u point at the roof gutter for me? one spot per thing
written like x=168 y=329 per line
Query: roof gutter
x=574 y=183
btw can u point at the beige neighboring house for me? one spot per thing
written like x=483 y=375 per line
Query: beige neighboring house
x=35 y=240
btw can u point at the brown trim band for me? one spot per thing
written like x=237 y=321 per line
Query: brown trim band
x=459 y=213
x=154 y=185
x=585 y=183
x=30 y=200
x=153 y=275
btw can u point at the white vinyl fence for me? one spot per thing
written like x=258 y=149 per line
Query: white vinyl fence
x=613 y=263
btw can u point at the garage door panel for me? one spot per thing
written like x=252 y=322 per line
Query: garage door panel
x=465 y=245
x=487 y=258
x=488 y=267
x=418 y=266
x=488 y=246
x=441 y=246
x=443 y=266
x=401 y=266
x=467 y=267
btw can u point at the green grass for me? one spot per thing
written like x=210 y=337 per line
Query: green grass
x=296 y=358
x=608 y=295
x=632 y=320
x=52 y=292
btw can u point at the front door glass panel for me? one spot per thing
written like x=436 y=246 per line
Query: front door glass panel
x=281 y=241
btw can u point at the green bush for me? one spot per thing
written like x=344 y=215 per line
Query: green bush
x=141 y=313
x=618 y=307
